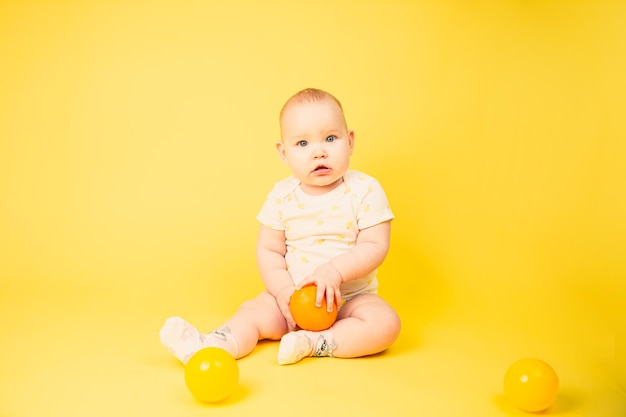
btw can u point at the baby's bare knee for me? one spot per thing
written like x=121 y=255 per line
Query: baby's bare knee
x=393 y=324
x=384 y=319
x=262 y=303
x=265 y=314
x=250 y=305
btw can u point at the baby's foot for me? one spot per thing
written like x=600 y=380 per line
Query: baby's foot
x=183 y=340
x=298 y=345
x=294 y=347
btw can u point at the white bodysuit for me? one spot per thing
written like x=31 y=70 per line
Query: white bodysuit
x=318 y=228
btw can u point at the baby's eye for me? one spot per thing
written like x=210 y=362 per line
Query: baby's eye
x=302 y=143
x=331 y=138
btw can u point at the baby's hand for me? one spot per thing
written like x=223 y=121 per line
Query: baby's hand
x=282 y=299
x=328 y=281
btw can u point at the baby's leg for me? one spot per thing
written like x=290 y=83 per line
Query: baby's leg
x=255 y=320
x=365 y=325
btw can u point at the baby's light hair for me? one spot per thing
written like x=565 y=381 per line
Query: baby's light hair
x=308 y=95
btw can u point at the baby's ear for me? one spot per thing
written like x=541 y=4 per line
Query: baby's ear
x=280 y=147
x=351 y=139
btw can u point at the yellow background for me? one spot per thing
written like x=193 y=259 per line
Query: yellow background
x=137 y=145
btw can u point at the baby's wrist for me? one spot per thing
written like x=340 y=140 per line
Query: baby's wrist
x=290 y=287
x=335 y=271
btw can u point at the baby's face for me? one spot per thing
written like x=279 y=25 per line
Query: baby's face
x=316 y=145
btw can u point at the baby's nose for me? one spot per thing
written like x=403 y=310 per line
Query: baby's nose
x=320 y=152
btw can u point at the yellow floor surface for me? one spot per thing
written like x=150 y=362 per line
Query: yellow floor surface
x=72 y=353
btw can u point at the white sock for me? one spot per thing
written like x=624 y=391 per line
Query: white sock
x=300 y=344
x=183 y=340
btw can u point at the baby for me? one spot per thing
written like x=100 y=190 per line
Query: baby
x=325 y=225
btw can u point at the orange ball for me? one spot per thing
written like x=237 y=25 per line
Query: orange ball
x=531 y=384
x=306 y=314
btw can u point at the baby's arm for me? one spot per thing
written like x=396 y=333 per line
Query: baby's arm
x=369 y=251
x=270 y=256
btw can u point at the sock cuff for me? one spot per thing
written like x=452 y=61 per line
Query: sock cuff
x=225 y=336
x=324 y=347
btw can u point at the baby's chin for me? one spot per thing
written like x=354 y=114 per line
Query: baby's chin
x=319 y=187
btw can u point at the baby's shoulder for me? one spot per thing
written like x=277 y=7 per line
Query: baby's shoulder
x=358 y=180
x=285 y=186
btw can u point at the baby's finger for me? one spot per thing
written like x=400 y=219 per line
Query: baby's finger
x=291 y=323
x=336 y=300
x=319 y=295
x=330 y=300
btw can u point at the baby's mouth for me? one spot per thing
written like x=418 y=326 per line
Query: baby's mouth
x=321 y=169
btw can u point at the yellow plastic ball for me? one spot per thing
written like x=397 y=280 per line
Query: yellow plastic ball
x=211 y=374
x=531 y=384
